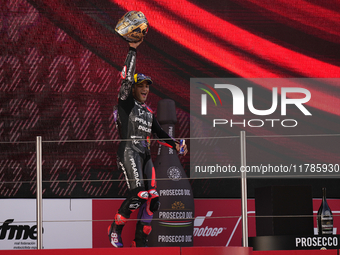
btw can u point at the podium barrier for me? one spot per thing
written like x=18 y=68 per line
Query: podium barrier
x=141 y=251
x=218 y=250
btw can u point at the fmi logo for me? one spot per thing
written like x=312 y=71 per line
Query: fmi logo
x=239 y=105
x=17 y=232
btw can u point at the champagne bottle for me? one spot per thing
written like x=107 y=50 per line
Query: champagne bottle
x=324 y=217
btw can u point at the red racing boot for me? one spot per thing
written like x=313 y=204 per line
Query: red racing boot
x=115 y=231
x=141 y=236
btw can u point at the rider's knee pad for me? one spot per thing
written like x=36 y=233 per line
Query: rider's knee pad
x=135 y=199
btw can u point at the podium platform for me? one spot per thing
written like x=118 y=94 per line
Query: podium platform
x=141 y=251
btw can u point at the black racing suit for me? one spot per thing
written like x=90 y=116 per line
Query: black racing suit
x=136 y=122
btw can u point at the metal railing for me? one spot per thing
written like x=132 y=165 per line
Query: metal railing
x=243 y=177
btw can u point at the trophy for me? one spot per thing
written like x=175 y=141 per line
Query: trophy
x=133 y=26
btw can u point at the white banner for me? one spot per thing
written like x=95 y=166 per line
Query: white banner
x=66 y=223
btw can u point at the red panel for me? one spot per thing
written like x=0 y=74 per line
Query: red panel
x=216 y=250
x=100 y=251
x=103 y=212
x=228 y=221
